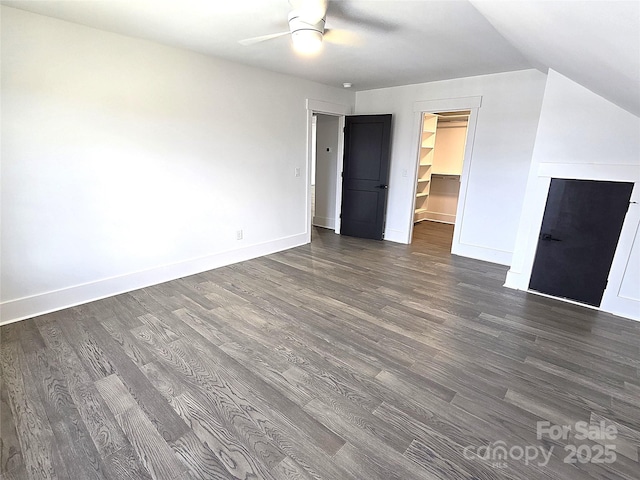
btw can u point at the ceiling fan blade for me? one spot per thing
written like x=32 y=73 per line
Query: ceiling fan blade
x=310 y=11
x=347 y=12
x=262 y=38
x=342 y=37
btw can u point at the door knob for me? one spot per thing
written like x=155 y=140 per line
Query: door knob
x=383 y=186
x=549 y=238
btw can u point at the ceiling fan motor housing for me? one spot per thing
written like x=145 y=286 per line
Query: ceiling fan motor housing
x=298 y=24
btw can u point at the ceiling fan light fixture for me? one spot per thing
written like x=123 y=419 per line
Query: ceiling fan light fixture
x=306 y=37
x=307 y=42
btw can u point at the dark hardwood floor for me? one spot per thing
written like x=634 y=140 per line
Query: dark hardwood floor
x=342 y=359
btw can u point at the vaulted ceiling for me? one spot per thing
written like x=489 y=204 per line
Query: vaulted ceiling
x=595 y=43
x=377 y=43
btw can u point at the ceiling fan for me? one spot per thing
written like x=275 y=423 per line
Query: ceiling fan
x=306 y=26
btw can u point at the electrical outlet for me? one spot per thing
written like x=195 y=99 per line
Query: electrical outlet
x=404 y=172
x=239 y=235
x=297 y=171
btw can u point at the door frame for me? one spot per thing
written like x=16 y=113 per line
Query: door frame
x=472 y=104
x=336 y=110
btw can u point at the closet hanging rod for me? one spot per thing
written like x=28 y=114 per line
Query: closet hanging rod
x=445 y=176
x=461 y=115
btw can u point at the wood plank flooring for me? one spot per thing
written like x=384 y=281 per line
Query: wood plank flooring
x=344 y=359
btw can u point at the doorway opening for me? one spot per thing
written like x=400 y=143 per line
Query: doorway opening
x=325 y=136
x=441 y=153
x=325 y=165
x=336 y=111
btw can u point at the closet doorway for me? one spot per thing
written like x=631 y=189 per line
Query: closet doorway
x=443 y=140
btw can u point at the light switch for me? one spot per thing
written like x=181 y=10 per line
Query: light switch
x=404 y=172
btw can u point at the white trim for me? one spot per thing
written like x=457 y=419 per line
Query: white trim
x=566 y=300
x=458 y=246
x=307 y=187
x=319 y=106
x=592 y=171
x=514 y=280
x=397 y=236
x=486 y=254
x=324 y=222
x=447 y=104
x=630 y=312
x=520 y=270
x=612 y=300
x=448 y=218
x=632 y=243
x=339 y=166
x=27 y=307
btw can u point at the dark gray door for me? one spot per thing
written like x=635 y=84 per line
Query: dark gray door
x=580 y=231
x=366 y=175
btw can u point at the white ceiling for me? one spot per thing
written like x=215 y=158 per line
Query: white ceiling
x=389 y=43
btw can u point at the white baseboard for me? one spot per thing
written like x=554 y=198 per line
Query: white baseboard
x=324 y=222
x=632 y=310
x=398 y=236
x=440 y=217
x=482 y=253
x=516 y=281
x=27 y=307
x=623 y=307
x=616 y=305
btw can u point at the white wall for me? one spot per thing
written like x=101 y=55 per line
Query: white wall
x=448 y=153
x=501 y=155
x=442 y=202
x=326 y=171
x=126 y=163
x=582 y=135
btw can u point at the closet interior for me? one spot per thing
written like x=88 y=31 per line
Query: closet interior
x=442 y=145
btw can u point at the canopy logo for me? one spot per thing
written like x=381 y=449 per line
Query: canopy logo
x=497 y=454
x=593 y=449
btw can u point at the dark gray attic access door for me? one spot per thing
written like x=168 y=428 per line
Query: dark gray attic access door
x=578 y=239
